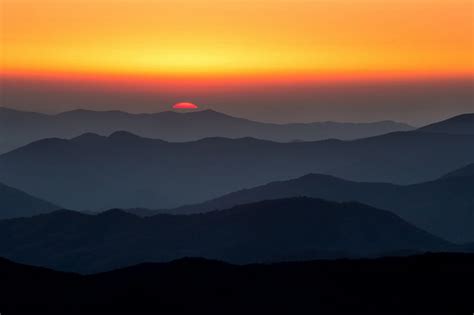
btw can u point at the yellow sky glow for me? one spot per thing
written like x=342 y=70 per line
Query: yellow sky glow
x=238 y=38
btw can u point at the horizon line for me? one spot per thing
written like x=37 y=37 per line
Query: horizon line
x=204 y=109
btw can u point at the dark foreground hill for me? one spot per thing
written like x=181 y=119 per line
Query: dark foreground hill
x=295 y=228
x=15 y=203
x=19 y=128
x=428 y=284
x=93 y=172
x=444 y=207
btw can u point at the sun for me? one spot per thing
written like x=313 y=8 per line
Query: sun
x=185 y=105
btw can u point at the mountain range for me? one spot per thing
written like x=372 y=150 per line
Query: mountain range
x=468 y=170
x=460 y=125
x=16 y=203
x=93 y=172
x=19 y=128
x=429 y=283
x=276 y=230
x=444 y=207
x=257 y=213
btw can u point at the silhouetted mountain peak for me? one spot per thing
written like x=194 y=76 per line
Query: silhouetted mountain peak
x=10 y=113
x=198 y=113
x=90 y=113
x=213 y=114
x=169 y=113
x=317 y=177
x=8 y=110
x=465 y=171
x=402 y=126
x=77 y=111
x=63 y=213
x=124 y=135
x=116 y=213
x=16 y=203
x=88 y=137
x=282 y=205
x=207 y=112
x=223 y=140
x=468 y=117
x=197 y=261
x=461 y=124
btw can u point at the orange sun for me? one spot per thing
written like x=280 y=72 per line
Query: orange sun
x=185 y=105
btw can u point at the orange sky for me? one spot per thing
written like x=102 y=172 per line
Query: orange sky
x=220 y=38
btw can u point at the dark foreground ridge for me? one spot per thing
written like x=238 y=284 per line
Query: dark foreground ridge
x=266 y=231
x=430 y=283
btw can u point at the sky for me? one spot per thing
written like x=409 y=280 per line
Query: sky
x=272 y=60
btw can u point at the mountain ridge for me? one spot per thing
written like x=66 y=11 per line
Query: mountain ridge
x=195 y=285
x=444 y=207
x=256 y=232
x=459 y=124
x=467 y=170
x=21 y=128
x=128 y=171
x=16 y=203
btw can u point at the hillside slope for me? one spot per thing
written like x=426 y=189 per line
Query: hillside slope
x=285 y=229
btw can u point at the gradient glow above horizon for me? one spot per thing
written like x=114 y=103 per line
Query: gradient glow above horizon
x=268 y=60
x=244 y=39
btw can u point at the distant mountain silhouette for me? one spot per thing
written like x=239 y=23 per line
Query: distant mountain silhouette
x=15 y=203
x=430 y=283
x=93 y=172
x=444 y=207
x=462 y=172
x=461 y=125
x=19 y=128
x=296 y=228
